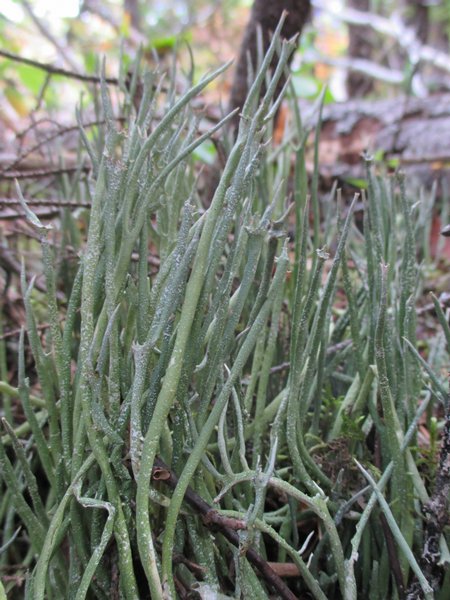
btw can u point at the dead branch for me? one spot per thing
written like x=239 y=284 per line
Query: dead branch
x=57 y=70
x=39 y=173
x=11 y=265
x=61 y=132
x=54 y=203
x=212 y=519
x=42 y=27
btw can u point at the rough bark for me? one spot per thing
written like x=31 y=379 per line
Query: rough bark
x=265 y=15
x=414 y=132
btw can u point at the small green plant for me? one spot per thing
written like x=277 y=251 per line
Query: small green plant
x=176 y=441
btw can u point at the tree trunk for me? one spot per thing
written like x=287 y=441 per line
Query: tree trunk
x=361 y=43
x=131 y=7
x=417 y=17
x=266 y=15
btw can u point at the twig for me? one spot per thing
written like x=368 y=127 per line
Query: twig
x=281 y=367
x=393 y=557
x=179 y=558
x=330 y=351
x=42 y=27
x=389 y=538
x=37 y=173
x=285 y=569
x=44 y=214
x=9 y=263
x=444 y=301
x=42 y=91
x=16 y=332
x=55 y=203
x=57 y=70
x=196 y=569
x=227 y=528
x=50 y=138
x=181 y=588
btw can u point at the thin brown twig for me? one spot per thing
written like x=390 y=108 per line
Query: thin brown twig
x=53 y=203
x=281 y=367
x=43 y=28
x=212 y=519
x=50 y=138
x=179 y=558
x=49 y=68
x=42 y=92
x=10 y=264
x=48 y=214
x=393 y=557
x=38 y=173
x=390 y=542
x=285 y=569
x=16 y=332
x=444 y=301
x=34 y=124
x=330 y=351
x=181 y=588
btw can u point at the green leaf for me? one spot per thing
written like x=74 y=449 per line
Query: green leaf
x=206 y=152
x=358 y=183
x=31 y=77
x=90 y=61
